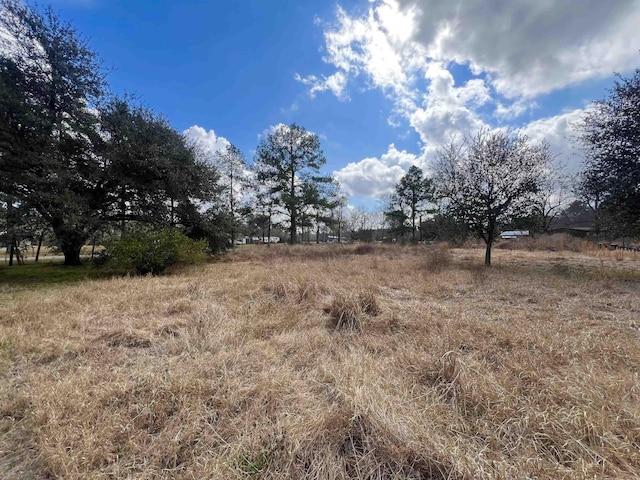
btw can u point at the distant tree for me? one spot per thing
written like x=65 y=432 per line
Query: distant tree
x=266 y=203
x=49 y=80
x=338 y=214
x=232 y=168
x=611 y=139
x=590 y=191
x=321 y=200
x=365 y=225
x=551 y=198
x=411 y=197
x=397 y=221
x=444 y=228
x=488 y=179
x=577 y=213
x=290 y=158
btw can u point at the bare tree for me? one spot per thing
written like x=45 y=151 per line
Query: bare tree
x=488 y=179
x=552 y=197
x=232 y=168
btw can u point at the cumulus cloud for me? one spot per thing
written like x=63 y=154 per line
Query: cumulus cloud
x=375 y=177
x=522 y=48
x=526 y=47
x=515 y=50
x=206 y=140
x=560 y=132
x=448 y=110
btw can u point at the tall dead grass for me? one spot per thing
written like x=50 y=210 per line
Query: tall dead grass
x=237 y=370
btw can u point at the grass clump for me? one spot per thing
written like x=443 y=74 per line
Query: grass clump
x=555 y=242
x=345 y=313
x=364 y=249
x=438 y=258
x=347 y=310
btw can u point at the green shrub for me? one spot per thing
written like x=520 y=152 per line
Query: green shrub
x=152 y=251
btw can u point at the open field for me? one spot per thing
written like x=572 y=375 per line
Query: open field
x=329 y=362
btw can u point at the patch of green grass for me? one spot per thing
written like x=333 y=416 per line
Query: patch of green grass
x=254 y=464
x=31 y=274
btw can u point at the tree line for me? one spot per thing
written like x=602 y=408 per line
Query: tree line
x=80 y=162
x=499 y=179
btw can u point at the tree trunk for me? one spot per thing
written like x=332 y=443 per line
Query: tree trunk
x=70 y=242
x=487 y=253
x=39 y=245
x=19 y=257
x=72 y=257
x=268 y=233
x=413 y=227
x=293 y=230
x=13 y=242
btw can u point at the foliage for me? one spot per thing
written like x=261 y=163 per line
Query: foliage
x=489 y=179
x=79 y=160
x=289 y=160
x=149 y=174
x=548 y=202
x=611 y=138
x=411 y=197
x=444 y=228
x=153 y=250
x=251 y=464
x=48 y=78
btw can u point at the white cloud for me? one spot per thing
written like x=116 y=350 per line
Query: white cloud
x=527 y=47
x=519 y=48
x=516 y=50
x=447 y=110
x=513 y=110
x=206 y=140
x=560 y=132
x=376 y=177
x=335 y=83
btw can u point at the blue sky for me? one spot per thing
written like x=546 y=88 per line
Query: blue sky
x=383 y=82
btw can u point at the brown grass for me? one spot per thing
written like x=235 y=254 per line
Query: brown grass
x=528 y=369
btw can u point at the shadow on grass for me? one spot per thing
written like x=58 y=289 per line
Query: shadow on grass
x=32 y=275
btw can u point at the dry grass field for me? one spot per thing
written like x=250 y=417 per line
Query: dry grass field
x=330 y=362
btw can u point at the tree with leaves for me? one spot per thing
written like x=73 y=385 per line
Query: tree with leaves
x=488 y=179
x=148 y=169
x=49 y=82
x=611 y=139
x=290 y=159
x=411 y=197
x=78 y=160
x=321 y=199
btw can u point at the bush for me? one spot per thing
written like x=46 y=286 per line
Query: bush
x=152 y=251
